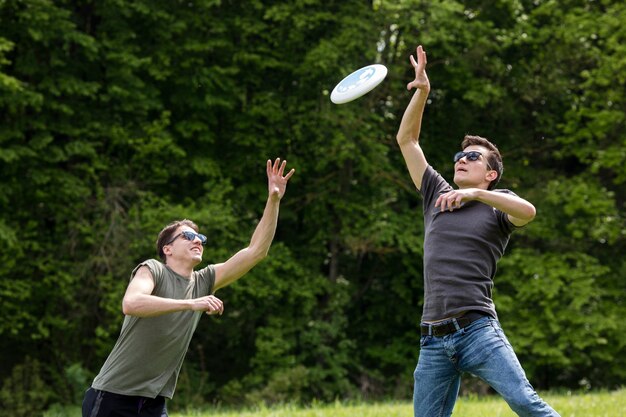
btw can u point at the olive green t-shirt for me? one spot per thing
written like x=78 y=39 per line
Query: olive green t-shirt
x=149 y=352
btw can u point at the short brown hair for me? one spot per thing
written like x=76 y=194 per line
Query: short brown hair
x=167 y=233
x=494 y=159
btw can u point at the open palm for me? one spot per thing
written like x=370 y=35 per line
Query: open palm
x=276 y=181
x=421 y=79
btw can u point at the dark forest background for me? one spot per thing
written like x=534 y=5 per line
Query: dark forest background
x=117 y=117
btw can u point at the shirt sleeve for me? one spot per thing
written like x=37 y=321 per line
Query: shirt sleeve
x=156 y=270
x=433 y=185
x=206 y=278
x=503 y=219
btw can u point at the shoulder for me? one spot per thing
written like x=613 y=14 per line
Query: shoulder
x=429 y=173
x=156 y=268
x=504 y=191
x=433 y=182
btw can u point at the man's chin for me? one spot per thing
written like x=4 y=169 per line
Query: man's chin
x=461 y=182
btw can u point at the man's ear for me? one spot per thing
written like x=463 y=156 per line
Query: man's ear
x=167 y=250
x=491 y=175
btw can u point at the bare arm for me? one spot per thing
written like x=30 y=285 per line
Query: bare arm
x=519 y=211
x=411 y=124
x=139 y=301
x=244 y=260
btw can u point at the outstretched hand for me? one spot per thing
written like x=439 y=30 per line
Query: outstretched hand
x=276 y=181
x=421 y=79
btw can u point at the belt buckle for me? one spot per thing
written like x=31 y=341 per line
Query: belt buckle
x=438 y=330
x=449 y=327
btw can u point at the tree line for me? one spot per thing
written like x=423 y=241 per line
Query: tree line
x=117 y=117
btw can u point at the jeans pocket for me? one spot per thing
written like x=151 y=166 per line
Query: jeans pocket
x=500 y=333
x=424 y=340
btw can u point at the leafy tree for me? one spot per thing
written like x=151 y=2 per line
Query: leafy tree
x=118 y=117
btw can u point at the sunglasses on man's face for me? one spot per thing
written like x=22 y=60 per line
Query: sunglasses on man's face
x=190 y=236
x=470 y=156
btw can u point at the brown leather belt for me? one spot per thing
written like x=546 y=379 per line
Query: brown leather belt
x=448 y=326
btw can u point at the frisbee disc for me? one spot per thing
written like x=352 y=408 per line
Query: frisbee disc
x=359 y=83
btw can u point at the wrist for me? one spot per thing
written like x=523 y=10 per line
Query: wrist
x=481 y=195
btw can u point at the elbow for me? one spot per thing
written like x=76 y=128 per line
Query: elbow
x=129 y=307
x=258 y=254
x=532 y=212
x=126 y=308
x=261 y=255
x=404 y=139
x=523 y=216
x=527 y=216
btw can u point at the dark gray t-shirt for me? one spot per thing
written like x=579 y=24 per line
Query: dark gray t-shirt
x=461 y=249
x=149 y=352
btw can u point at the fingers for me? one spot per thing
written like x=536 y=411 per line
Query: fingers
x=421 y=55
x=419 y=65
x=275 y=167
x=449 y=201
x=278 y=168
x=441 y=202
x=213 y=305
x=421 y=60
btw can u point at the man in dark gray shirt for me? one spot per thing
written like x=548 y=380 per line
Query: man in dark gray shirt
x=466 y=232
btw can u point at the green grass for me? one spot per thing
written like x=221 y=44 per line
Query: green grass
x=599 y=404
x=596 y=404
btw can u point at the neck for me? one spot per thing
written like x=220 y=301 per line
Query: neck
x=181 y=268
x=482 y=186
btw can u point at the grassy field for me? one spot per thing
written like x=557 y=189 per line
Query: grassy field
x=600 y=404
x=596 y=404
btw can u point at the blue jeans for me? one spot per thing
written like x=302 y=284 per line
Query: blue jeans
x=483 y=350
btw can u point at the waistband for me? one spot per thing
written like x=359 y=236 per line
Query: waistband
x=452 y=325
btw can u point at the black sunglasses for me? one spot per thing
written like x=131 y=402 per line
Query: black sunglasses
x=190 y=236
x=471 y=156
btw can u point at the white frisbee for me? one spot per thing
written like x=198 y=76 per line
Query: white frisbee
x=359 y=83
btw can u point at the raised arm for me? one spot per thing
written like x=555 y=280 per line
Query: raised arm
x=240 y=263
x=410 y=126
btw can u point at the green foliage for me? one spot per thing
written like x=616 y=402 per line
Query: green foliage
x=119 y=117
x=76 y=377
x=285 y=386
x=24 y=393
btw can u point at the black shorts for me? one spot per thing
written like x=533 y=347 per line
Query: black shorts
x=106 y=404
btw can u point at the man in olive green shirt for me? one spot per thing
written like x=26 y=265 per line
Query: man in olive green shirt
x=162 y=306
